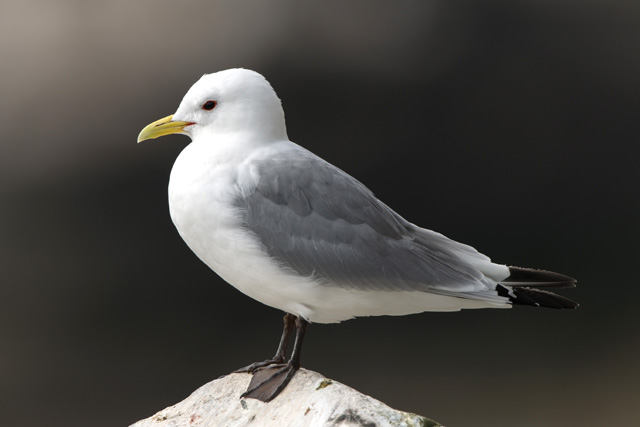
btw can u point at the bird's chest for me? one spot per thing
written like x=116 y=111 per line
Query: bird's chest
x=202 y=191
x=202 y=195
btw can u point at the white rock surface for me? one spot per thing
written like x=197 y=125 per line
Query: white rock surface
x=310 y=399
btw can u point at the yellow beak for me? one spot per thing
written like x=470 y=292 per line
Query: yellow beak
x=162 y=127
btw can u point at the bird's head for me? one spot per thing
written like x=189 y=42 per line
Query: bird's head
x=228 y=101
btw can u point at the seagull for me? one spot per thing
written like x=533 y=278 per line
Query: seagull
x=296 y=233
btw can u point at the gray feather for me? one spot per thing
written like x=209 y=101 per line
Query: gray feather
x=316 y=220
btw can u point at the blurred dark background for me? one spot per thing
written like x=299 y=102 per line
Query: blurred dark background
x=508 y=125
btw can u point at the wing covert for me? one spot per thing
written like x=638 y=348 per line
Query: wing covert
x=318 y=221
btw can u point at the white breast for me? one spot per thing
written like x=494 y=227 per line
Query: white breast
x=203 y=185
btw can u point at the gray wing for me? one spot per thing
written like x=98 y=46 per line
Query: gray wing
x=316 y=220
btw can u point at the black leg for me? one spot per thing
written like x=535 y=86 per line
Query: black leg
x=289 y=321
x=269 y=381
x=301 y=328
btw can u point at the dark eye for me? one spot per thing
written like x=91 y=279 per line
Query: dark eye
x=209 y=105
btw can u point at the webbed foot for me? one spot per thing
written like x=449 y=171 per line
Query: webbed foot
x=269 y=381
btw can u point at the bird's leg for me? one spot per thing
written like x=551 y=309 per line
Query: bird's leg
x=269 y=381
x=289 y=321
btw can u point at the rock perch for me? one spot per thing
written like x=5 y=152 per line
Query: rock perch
x=309 y=400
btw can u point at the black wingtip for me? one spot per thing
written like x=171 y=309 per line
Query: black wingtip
x=530 y=277
x=520 y=288
x=522 y=295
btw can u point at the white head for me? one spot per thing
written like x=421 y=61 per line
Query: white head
x=229 y=101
